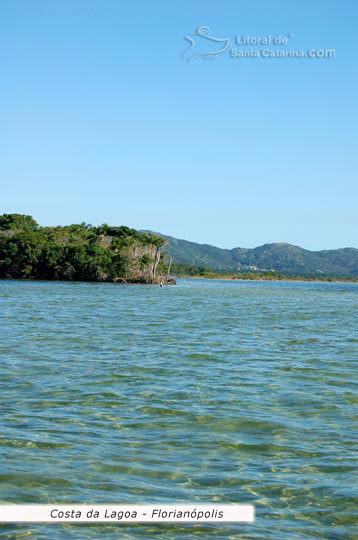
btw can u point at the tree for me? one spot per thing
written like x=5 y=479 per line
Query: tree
x=18 y=222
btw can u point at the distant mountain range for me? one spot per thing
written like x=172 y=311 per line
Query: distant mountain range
x=280 y=257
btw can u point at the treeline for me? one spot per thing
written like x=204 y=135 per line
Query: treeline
x=77 y=252
x=188 y=270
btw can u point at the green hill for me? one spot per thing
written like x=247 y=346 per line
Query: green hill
x=279 y=257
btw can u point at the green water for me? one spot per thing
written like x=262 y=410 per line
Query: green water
x=232 y=392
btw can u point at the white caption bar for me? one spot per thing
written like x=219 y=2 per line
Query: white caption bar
x=184 y=513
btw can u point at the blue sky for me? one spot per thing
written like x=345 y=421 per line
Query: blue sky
x=103 y=122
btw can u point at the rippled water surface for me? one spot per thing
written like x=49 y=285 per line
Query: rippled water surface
x=205 y=392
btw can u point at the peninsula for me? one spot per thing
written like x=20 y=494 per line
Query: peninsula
x=78 y=252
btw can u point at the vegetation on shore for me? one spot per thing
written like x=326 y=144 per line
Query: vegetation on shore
x=78 y=252
x=82 y=252
x=190 y=271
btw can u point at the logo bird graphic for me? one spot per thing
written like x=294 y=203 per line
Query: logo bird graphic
x=202 y=40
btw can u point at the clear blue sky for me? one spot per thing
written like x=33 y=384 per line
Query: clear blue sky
x=102 y=122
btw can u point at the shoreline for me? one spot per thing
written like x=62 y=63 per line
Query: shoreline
x=118 y=282
x=173 y=282
x=284 y=279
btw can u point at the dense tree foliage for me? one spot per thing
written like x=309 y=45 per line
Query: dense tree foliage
x=77 y=252
x=17 y=221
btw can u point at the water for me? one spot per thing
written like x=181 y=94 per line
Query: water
x=210 y=391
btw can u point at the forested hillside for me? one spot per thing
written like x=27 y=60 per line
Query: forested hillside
x=279 y=257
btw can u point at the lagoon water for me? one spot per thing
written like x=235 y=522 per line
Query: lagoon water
x=206 y=392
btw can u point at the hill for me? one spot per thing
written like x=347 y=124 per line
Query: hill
x=279 y=257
